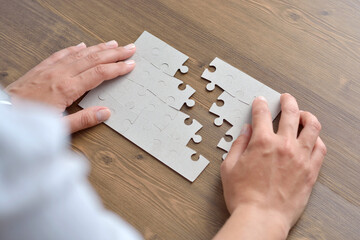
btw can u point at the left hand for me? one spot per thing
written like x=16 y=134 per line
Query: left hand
x=67 y=74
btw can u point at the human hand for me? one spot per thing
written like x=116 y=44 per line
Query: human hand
x=268 y=176
x=67 y=74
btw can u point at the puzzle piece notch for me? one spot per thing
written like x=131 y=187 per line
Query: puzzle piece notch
x=232 y=80
x=152 y=122
x=160 y=54
x=233 y=111
x=166 y=146
x=179 y=159
x=163 y=86
x=234 y=131
x=182 y=135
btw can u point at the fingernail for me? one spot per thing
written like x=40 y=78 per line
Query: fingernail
x=130 y=62
x=262 y=98
x=82 y=44
x=130 y=46
x=103 y=114
x=245 y=130
x=111 y=43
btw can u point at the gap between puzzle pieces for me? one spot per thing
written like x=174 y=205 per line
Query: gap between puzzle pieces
x=240 y=90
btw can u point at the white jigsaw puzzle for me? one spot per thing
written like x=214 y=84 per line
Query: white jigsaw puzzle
x=160 y=54
x=145 y=107
x=239 y=91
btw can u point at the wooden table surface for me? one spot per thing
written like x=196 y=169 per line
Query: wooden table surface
x=310 y=49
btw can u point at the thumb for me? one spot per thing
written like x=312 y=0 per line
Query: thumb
x=238 y=146
x=87 y=117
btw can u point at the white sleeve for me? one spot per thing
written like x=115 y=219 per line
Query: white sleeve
x=44 y=191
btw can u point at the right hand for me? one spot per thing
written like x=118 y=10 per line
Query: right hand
x=273 y=174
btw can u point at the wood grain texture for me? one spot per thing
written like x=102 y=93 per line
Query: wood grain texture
x=310 y=49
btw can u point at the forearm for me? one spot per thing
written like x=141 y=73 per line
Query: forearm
x=248 y=222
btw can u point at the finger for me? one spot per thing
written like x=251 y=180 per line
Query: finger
x=311 y=130
x=86 y=51
x=87 y=117
x=55 y=57
x=239 y=145
x=317 y=157
x=96 y=75
x=290 y=116
x=261 y=117
x=102 y=57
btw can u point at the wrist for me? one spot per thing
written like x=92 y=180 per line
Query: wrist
x=268 y=222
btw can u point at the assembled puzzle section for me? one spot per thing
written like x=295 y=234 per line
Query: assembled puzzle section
x=240 y=90
x=145 y=108
x=164 y=86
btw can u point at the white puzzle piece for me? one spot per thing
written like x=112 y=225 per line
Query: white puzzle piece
x=160 y=54
x=233 y=111
x=232 y=80
x=239 y=91
x=145 y=108
x=165 y=87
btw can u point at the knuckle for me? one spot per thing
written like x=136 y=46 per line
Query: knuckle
x=310 y=178
x=291 y=109
x=65 y=88
x=263 y=140
x=85 y=120
x=286 y=148
x=100 y=70
x=93 y=57
x=300 y=163
x=312 y=121
x=48 y=74
x=77 y=55
x=259 y=110
x=315 y=124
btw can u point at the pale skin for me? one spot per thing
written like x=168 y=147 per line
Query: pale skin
x=267 y=177
x=67 y=74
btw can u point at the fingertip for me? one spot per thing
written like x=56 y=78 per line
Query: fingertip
x=261 y=98
x=287 y=97
x=130 y=47
x=112 y=44
x=130 y=65
x=103 y=114
x=130 y=62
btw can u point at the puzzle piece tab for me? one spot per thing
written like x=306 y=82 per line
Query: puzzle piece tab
x=233 y=111
x=181 y=136
x=239 y=91
x=145 y=106
x=165 y=87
